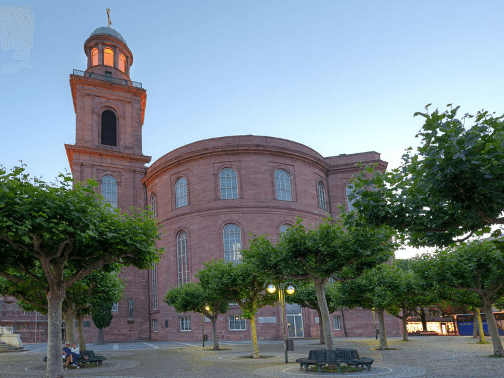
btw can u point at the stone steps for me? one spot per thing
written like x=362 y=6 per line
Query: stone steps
x=6 y=348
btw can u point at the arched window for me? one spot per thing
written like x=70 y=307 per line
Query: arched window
x=154 y=287
x=228 y=184
x=284 y=228
x=109 y=190
x=153 y=203
x=108 y=56
x=232 y=243
x=182 y=258
x=351 y=197
x=122 y=62
x=283 y=185
x=94 y=57
x=321 y=196
x=108 y=128
x=181 y=192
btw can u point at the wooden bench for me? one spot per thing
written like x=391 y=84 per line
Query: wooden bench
x=88 y=356
x=338 y=356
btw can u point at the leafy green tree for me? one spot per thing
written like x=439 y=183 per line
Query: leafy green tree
x=409 y=292
x=60 y=228
x=102 y=318
x=327 y=251
x=99 y=286
x=375 y=289
x=202 y=298
x=450 y=188
x=477 y=268
x=306 y=296
x=240 y=283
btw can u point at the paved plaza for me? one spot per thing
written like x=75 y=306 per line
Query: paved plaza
x=433 y=356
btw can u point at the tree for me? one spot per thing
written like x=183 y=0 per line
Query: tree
x=328 y=251
x=202 y=298
x=99 y=286
x=375 y=289
x=240 y=283
x=102 y=317
x=409 y=292
x=306 y=296
x=477 y=268
x=451 y=188
x=63 y=229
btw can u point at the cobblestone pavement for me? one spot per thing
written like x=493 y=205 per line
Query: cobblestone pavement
x=432 y=356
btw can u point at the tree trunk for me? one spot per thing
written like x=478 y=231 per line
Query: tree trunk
x=404 y=320
x=253 y=334
x=475 y=325
x=214 y=332
x=423 y=319
x=101 y=338
x=343 y=322
x=477 y=318
x=383 y=331
x=69 y=317
x=321 y=327
x=54 y=367
x=324 y=312
x=82 y=341
x=492 y=327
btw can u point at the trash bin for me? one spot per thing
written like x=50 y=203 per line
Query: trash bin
x=290 y=344
x=205 y=337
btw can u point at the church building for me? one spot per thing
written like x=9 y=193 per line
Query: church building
x=208 y=195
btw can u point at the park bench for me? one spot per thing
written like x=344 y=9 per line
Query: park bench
x=338 y=356
x=88 y=356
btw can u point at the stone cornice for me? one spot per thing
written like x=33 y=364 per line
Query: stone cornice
x=71 y=149
x=166 y=162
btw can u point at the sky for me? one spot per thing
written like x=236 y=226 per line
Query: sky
x=337 y=76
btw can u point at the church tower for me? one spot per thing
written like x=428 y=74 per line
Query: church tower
x=110 y=110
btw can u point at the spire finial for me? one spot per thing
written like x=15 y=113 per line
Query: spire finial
x=108 y=15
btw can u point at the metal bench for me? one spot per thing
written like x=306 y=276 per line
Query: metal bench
x=89 y=357
x=338 y=356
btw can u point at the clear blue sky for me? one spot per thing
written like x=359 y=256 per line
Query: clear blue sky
x=338 y=76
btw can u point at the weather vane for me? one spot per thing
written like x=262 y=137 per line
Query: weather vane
x=108 y=15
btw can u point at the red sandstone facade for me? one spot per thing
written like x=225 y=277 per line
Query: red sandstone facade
x=270 y=182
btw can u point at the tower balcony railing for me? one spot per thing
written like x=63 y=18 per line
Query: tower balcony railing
x=107 y=78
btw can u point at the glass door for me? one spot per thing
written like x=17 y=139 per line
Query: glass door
x=295 y=326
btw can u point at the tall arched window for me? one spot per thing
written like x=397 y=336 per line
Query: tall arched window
x=321 y=196
x=182 y=258
x=109 y=190
x=283 y=185
x=232 y=243
x=108 y=128
x=154 y=287
x=153 y=203
x=181 y=192
x=94 y=57
x=108 y=56
x=351 y=197
x=228 y=184
x=122 y=62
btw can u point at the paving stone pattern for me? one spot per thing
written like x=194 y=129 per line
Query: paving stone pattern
x=453 y=357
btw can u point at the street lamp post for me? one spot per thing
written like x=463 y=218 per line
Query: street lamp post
x=285 y=287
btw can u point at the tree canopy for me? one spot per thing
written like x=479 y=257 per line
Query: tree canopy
x=478 y=268
x=450 y=188
x=329 y=250
x=65 y=227
x=200 y=297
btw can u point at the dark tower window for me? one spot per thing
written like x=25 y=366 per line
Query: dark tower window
x=108 y=128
